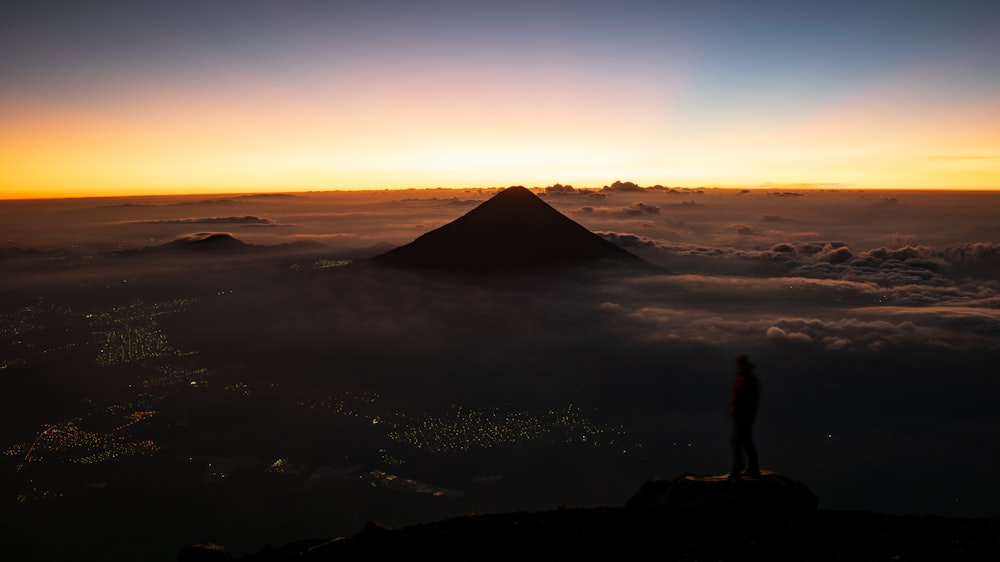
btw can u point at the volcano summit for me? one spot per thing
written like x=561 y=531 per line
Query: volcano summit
x=512 y=231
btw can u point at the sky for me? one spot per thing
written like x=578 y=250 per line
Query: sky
x=127 y=98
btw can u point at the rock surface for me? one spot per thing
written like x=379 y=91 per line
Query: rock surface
x=691 y=495
x=654 y=533
x=205 y=552
x=687 y=518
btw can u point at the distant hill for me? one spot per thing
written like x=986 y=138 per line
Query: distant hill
x=208 y=241
x=514 y=230
x=220 y=243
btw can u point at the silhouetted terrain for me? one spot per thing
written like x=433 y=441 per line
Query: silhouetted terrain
x=689 y=517
x=513 y=231
x=619 y=533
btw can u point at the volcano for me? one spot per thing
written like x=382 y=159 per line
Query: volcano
x=516 y=231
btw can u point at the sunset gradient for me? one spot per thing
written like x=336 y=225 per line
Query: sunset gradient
x=116 y=98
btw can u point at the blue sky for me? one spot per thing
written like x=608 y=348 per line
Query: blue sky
x=136 y=97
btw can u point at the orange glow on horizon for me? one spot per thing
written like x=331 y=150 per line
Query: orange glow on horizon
x=176 y=100
x=159 y=140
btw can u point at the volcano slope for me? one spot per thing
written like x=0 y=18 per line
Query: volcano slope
x=514 y=231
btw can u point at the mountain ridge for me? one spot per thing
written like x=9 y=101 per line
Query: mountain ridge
x=690 y=517
x=627 y=533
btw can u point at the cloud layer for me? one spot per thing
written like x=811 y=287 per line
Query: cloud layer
x=874 y=319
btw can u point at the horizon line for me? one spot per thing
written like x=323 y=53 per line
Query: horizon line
x=224 y=192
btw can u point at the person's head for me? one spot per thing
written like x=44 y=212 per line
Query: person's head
x=743 y=364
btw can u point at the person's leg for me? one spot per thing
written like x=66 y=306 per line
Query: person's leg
x=753 y=466
x=736 y=443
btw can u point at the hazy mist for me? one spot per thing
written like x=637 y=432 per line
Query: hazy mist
x=873 y=317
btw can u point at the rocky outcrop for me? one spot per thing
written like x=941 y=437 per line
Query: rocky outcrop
x=691 y=495
x=690 y=517
x=204 y=552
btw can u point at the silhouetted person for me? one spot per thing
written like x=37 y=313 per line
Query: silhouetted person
x=743 y=411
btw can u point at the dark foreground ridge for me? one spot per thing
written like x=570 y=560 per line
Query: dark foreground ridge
x=688 y=518
x=512 y=231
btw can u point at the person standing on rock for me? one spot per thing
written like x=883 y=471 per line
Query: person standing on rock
x=743 y=411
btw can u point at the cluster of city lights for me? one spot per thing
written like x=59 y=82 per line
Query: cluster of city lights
x=71 y=443
x=19 y=331
x=329 y=264
x=384 y=479
x=130 y=334
x=170 y=376
x=125 y=335
x=240 y=387
x=353 y=404
x=466 y=429
x=146 y=447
